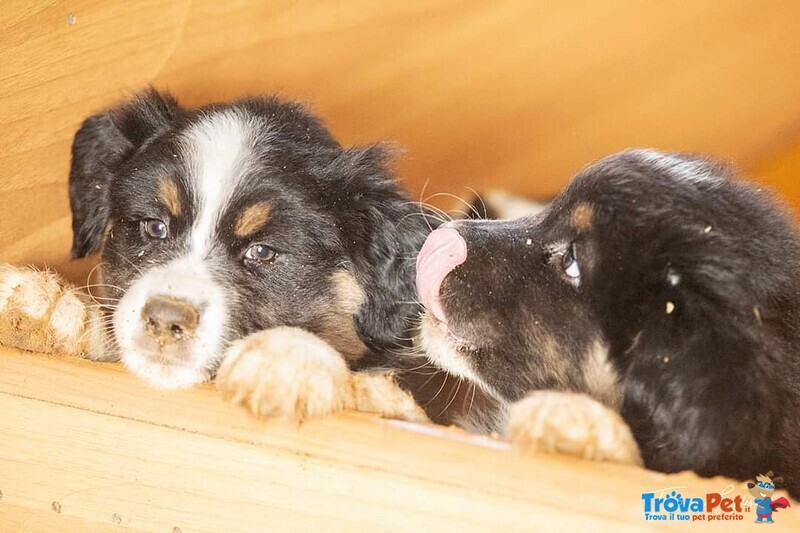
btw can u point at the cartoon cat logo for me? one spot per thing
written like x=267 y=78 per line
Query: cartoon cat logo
x=762 y=491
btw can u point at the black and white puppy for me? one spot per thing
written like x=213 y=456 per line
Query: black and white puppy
x=224 y=221
x=656 y=284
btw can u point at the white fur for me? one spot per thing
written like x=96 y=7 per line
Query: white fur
x=67 y=319
x=439 y=349
x=188 y=280
x=693 y=170
x=219 y=154
x=10 y=279
x=218 y=148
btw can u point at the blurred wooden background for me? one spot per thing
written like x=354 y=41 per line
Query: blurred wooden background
x=483 y=94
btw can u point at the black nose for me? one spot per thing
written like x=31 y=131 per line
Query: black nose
x=168 y=319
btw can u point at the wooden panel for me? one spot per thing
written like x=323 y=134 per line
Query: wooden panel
x=87 y=446
x=518 y=94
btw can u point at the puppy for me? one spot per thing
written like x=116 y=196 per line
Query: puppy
x=654 y=306
x=241 y=233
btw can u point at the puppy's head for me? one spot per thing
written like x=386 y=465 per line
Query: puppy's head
x=645 y=257
x=221 y=221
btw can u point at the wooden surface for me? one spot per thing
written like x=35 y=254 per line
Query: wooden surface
x=513 y=94
x=86 y=446
x=505 y=94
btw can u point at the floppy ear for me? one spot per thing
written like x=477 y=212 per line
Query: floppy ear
x=778 y=479
x=103 y=141
x=384 y=230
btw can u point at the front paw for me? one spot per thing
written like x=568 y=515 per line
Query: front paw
x=37 y=312
x=284 y=372
x=573 y=424
x=379 y=393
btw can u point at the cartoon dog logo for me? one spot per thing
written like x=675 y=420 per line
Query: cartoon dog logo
x=762 y=491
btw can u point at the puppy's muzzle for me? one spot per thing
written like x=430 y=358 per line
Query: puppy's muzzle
x=169 y=320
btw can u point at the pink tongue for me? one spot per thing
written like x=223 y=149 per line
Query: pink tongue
x=443 y=250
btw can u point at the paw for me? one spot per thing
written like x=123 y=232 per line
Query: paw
x=38 y=313
x=284 y=372
x=379 y=393
x=573 y=424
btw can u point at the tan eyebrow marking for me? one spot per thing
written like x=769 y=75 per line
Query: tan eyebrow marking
x=582 y=217
x=252 y=219
x=169 y=196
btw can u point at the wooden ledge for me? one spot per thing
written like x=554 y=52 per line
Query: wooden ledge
x=86 y=446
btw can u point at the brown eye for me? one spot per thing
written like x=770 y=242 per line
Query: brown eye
x=155 y=228
x=261 y=252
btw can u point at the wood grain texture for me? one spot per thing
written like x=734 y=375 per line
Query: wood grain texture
x=517 y=94
x=87 y=446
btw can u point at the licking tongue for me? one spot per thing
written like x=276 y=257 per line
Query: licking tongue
x=444 y=250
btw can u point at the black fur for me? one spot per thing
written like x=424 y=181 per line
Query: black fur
x=102 y=143
x=332 y=209
x=691 y=281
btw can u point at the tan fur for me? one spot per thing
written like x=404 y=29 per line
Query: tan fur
x=550 y=364
x=40 y=313
x=582 y=217
x=602 y=380
x=337 y=325
x=252 y=219
x=349 y=294
x=284 y=372
x=289 y=373
x=109 y=231
x=572 y=424
x=378 y=393
x=169 y=196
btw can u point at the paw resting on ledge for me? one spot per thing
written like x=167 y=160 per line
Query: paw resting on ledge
x=572 y=424
x=289 y=373
x=284 y=372
x=40 y=313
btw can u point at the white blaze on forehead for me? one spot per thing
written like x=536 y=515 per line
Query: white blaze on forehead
x=220 y=148
x=684 y=168
x=219 y=152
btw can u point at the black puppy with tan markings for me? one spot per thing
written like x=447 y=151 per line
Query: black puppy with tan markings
x=657 y=290
x=237 y=240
